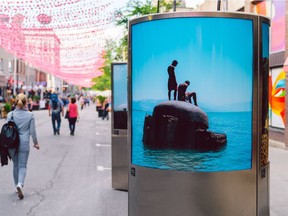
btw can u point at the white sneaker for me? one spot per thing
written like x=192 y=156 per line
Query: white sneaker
x=20 y=191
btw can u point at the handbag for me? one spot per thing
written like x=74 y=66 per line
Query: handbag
x=67 y=115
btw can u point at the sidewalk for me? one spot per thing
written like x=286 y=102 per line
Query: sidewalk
x=278 y=181
x=277 y=144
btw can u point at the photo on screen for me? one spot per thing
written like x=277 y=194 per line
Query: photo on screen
x=119 y=95
x=191 y=94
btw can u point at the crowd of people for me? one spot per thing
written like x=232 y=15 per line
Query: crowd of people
x=23 y=117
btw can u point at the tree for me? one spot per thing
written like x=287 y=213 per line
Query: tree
x=111 y=53
x=136 y=8
x=118 y=51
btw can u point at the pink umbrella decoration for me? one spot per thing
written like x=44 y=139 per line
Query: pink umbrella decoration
x=64 y=37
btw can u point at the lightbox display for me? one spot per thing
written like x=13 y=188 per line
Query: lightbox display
x=119 y=95
x=191 y=93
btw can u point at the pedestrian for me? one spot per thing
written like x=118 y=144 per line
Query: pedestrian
x=172 y=83
x=30 y=104
x=73 y=115
x=13 y=104
x=81 y=99
x=105 y=110
x=25 y=122
x=183 y=95
x=56 y=107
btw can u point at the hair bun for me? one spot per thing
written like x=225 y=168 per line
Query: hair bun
x=21 y=100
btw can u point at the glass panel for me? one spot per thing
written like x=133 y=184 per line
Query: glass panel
x=213 y=55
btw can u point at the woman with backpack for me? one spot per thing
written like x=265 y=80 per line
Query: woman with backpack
x=25 y=122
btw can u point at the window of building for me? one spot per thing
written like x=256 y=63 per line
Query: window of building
x=1 y=65
x=10 y=66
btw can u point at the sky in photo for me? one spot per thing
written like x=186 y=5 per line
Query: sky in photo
x=120 y=85
x=214 y=54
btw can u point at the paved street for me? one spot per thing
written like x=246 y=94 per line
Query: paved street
x=68 y=176
x=71 y=176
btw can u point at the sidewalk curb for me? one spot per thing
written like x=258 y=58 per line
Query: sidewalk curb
x=277 y=144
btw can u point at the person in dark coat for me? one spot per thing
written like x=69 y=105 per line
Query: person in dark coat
x=172 y=83
x=105 y=110
x=182 y=95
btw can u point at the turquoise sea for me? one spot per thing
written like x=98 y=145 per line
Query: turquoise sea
x=237 y=155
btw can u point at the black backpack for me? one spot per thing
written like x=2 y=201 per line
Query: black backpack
x=9 y=136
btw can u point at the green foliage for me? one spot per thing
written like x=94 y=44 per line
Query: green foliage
x=104 y=82
x=101 y=99
x=7 y=107
x=134 y=8
x=167 y=5
x=118 y=51
x=36 y=98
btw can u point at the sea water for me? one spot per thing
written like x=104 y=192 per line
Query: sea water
x=237 y=155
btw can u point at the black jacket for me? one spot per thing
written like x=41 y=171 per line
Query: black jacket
x=4 y=154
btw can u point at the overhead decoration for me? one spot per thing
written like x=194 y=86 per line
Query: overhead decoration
x=63 y=37
x=44 y=19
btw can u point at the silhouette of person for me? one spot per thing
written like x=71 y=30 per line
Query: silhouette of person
x=182 y=95
x=172 y=83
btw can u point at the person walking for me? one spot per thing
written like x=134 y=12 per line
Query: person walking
x=25 y=122
x=105 y=110
x=172 y=83
x=81 y=99
x=30 y=104
x=56 y=106
x=73 y=115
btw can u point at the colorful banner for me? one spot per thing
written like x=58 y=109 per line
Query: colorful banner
x=277 y=98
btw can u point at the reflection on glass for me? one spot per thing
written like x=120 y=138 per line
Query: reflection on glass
x=265 y=71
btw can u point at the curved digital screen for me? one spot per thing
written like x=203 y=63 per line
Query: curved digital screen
x=191 y=93
x=119 y=95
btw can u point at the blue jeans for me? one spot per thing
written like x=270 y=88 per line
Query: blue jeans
x=19 y=165
x=56 y=118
